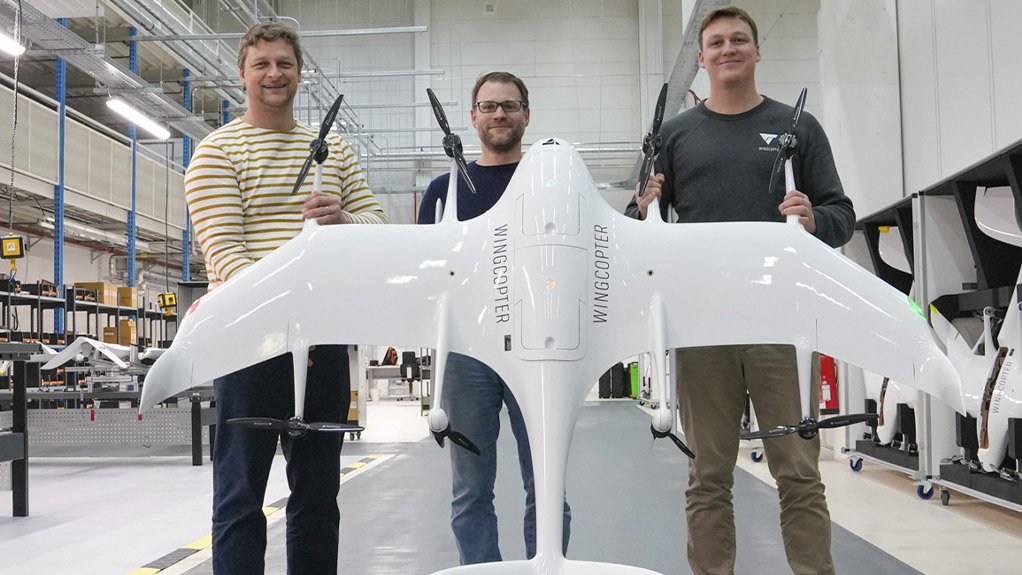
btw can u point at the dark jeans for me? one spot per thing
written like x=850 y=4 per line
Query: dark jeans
x=473 y=397
x=242 y=458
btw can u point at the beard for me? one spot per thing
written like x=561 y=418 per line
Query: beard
x=504 y=144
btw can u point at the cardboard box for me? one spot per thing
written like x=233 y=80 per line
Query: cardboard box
x=353 y=410
x=106 y=292
x=128 y=334
x=109 y=334
x=127 y=296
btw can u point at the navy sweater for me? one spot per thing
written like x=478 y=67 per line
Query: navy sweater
x=490 y=183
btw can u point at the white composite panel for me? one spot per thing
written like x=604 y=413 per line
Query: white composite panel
x=959 y=84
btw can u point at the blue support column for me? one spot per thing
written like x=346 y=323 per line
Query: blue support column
x=227 y=112
x=58 y=193
x=133 y=134
x=186 y=156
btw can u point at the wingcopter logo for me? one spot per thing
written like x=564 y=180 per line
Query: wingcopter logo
x=770 y=141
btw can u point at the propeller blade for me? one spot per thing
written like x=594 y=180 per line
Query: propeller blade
x=330 y=426
x=681 y=445
x=658 y=112
x=438 y=111
x=848 y=419
x=460 y=440
x=647 y=167
x=677 y=440
x=651 y=143
x=779 y=431
x=331 y=115
x=305 y=172
x=259 y=423
x=463 y=167
x=318 y=149
x=798 y=109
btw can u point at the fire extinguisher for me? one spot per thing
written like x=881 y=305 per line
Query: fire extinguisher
x=828 y=385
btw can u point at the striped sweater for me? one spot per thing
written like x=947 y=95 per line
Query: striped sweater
x=238 y=189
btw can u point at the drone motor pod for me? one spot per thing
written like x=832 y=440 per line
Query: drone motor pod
x=437 y=417
x=663 y=415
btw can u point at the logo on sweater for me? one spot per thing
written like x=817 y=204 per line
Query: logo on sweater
x=771 y=142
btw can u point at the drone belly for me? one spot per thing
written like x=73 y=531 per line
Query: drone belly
x=550 y=302
x=550 y=254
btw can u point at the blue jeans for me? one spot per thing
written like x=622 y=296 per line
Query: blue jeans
x=473 y=394
x=242 y=458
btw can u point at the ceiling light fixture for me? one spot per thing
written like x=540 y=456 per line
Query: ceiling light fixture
x=138 y=118
x=9 y=45
x=90 y=233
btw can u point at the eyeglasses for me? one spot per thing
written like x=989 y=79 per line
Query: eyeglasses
x=509 y=106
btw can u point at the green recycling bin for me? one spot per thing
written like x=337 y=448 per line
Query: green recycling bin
x=633 y=373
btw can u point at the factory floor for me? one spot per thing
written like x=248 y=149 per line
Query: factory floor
x=138 y=513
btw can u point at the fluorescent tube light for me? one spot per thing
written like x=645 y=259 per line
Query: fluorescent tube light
x=138 y=118
x=85 y=232
x=7 y=44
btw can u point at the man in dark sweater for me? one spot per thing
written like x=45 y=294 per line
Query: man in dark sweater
x=716 y=166
x=474 y=393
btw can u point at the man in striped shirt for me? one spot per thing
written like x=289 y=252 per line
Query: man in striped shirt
x=238 y=189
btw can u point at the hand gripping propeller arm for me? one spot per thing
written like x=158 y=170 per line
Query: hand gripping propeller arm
x=650 y=148
x=786 y=151
x=452 y=143
x=318 y=150
x=808 y=427
x=437 y=418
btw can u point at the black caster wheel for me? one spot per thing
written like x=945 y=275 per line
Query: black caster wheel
x=855 y=465
x=756 y=456
x=945 y=497
x=923 y=492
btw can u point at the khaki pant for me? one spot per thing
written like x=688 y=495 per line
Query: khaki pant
x=712 y=386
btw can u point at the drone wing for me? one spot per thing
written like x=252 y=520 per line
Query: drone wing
x=763 y=282
x=88 y=347
x=330 y=284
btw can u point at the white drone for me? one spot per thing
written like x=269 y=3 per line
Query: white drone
x=549 y=288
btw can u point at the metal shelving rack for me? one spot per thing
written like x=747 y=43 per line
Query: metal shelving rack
x=961 y=270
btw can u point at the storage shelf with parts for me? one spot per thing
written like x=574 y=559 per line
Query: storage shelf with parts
x=14 y=428
x=972 y=289
x=965 y=257
x=884 y=243
x=125 y=324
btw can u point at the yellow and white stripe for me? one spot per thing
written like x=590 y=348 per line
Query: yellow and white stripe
x=238 y=188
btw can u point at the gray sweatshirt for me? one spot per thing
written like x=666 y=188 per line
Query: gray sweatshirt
x=718 y=168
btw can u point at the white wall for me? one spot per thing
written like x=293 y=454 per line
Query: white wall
x=960 y=82
x=861 y=99
x=789 y=49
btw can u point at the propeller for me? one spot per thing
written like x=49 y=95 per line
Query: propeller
x=452 y=142
x=807 y=428
x=457 y=438
x=677 y=440
x=652 y=141
x=787 y=141
x=318 y=149
x=295 y=427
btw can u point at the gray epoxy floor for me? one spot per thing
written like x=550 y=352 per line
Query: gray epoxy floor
x=627 y=502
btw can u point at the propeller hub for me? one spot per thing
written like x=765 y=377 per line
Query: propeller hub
x=807 y=428
x=296 y=427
